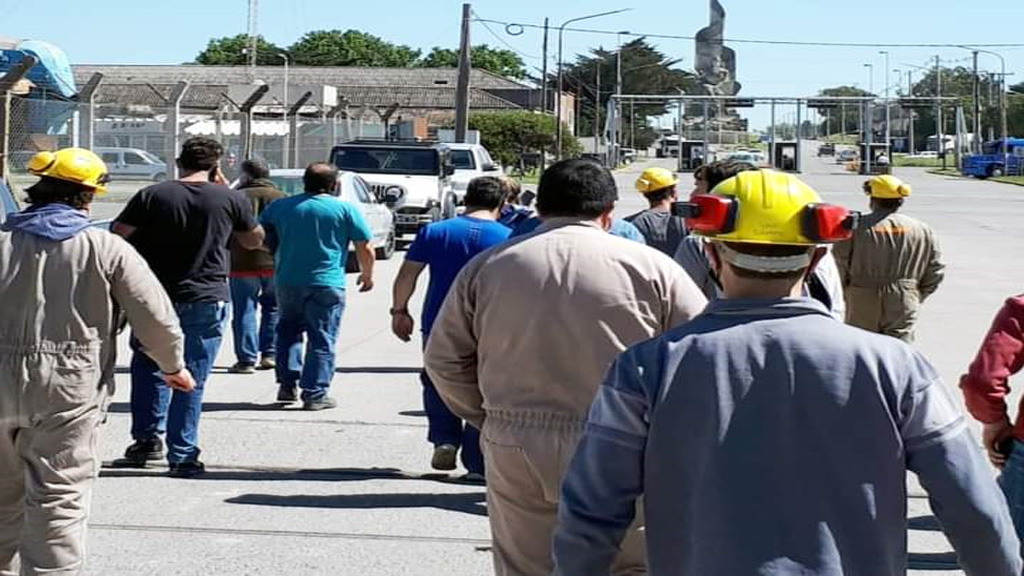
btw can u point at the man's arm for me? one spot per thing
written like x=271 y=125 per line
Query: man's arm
x=451 y=355
x=843 y=255
x=933 y=272
x=366 y=258
x=251 y=239
x=986 y=384
x=605 y=478
x=961 y=488
x=402 y=323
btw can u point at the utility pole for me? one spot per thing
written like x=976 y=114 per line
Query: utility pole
x=253 y=46
x=888 y=118
x=940 y=144
x=977 y=106
x=597 y=106
x=544 y=89
x=910 y=93
x=462 y=85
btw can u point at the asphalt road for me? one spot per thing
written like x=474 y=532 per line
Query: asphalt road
x=350 y=491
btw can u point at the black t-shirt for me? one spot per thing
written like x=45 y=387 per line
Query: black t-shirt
x=183 y=230
x=660 y=228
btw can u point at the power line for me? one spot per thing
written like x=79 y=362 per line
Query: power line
x=502 y=40
x=763 y=42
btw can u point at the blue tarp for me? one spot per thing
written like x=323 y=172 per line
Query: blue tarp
x=51 y=75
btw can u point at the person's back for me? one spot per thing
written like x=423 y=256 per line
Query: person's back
x=260 y=193
x=553 y=313
x=446 y=247
x=183 y=230
x=890 y=248
x=313 y=232
x=660 y=229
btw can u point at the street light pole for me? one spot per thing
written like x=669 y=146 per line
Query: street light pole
x=284 y=57
x=888 y=134
x=1002 y=96
x=558 y=96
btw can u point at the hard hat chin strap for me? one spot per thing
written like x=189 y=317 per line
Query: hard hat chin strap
x=768 y=264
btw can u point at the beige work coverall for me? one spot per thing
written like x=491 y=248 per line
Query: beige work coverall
x=59 y=304
x=889 y=267
x=519 y=349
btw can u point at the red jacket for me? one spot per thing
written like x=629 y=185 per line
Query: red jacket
x=986 y=383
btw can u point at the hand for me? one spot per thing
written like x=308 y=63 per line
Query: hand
x=365 y=282
x=180 y=380
x=402 y=325
x=993 y=436
x=218 y=177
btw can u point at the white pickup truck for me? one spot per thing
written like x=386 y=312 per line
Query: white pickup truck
x=412 y=178
x=470 y=161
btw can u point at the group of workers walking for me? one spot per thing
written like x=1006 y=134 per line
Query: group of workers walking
x=622 y=423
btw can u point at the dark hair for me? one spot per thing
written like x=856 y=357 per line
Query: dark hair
x=320 y=178
x=55 y=191
x=485 y=192
x=890 y=204
x=200 y=153
x=659 y=196
x=255 y=168
x=717 y=172
x=770 y=251
x=576 y=188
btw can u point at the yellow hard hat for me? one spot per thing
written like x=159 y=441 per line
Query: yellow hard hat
x=886 y=186
x=76 y=165
x=654 y=179
x=768 y=207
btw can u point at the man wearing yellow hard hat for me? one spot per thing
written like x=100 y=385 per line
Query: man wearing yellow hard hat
x=764 y=436
x=659 y=227
x=62 y=284
x=891 y=265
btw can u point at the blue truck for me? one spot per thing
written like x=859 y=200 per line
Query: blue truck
x=992 y=162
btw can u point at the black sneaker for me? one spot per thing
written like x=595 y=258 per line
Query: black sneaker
x=243 y=368
x=325 y=403
x=140 y=452
x=287 y=394
x=186 y=469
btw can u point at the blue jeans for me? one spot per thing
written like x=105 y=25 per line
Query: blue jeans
x=1012 y=482
x=155 y=407
x=316 y=312
x=443 y=427
x=246 y=294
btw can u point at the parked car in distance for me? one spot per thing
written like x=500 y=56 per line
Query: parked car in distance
x=470 y=161
x=132 y=164
x=753 y=157
x=628 y=155
x=355 y=190
x=847 y=155
x=827 y=150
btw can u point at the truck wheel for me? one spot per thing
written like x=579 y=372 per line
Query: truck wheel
x=386 y=251
x=995 y=171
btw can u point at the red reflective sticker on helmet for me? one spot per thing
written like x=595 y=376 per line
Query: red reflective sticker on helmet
x=829 y=223
x=713 y=214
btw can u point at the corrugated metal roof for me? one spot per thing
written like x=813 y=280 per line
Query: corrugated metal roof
x=419 y=97
x=199 y=96
x=329 y=75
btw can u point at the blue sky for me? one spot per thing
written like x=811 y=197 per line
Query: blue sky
x=127 y=31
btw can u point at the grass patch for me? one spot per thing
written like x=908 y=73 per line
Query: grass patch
x=1018 y=180
x=904 y=162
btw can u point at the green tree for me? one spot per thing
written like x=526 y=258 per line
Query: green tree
x=845 y=118
x=645 y=70
x=350 y=48
x=957 y=82
x=231 y=51
x=499 y=61
x=509 y=135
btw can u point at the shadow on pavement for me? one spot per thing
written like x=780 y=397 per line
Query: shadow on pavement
x=260 y=474
x=378 y=370
x=933 y=561
x=926 y=523
x=468 y=503
x=413 y=413
x=125 y=408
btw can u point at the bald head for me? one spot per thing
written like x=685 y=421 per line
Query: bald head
x=320 y=178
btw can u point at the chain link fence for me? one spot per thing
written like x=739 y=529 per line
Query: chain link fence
x=139 y=142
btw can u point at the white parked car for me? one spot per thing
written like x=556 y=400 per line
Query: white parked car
x=354 y=190
x=470 y=161
x=132 y=164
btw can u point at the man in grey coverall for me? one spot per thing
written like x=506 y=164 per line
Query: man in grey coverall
x=63 y=285
x=767 y=438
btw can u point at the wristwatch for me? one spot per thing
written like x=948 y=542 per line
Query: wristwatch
x=397 y=311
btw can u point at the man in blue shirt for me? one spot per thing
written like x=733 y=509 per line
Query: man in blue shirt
x=446 y=247
x=309 y=235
